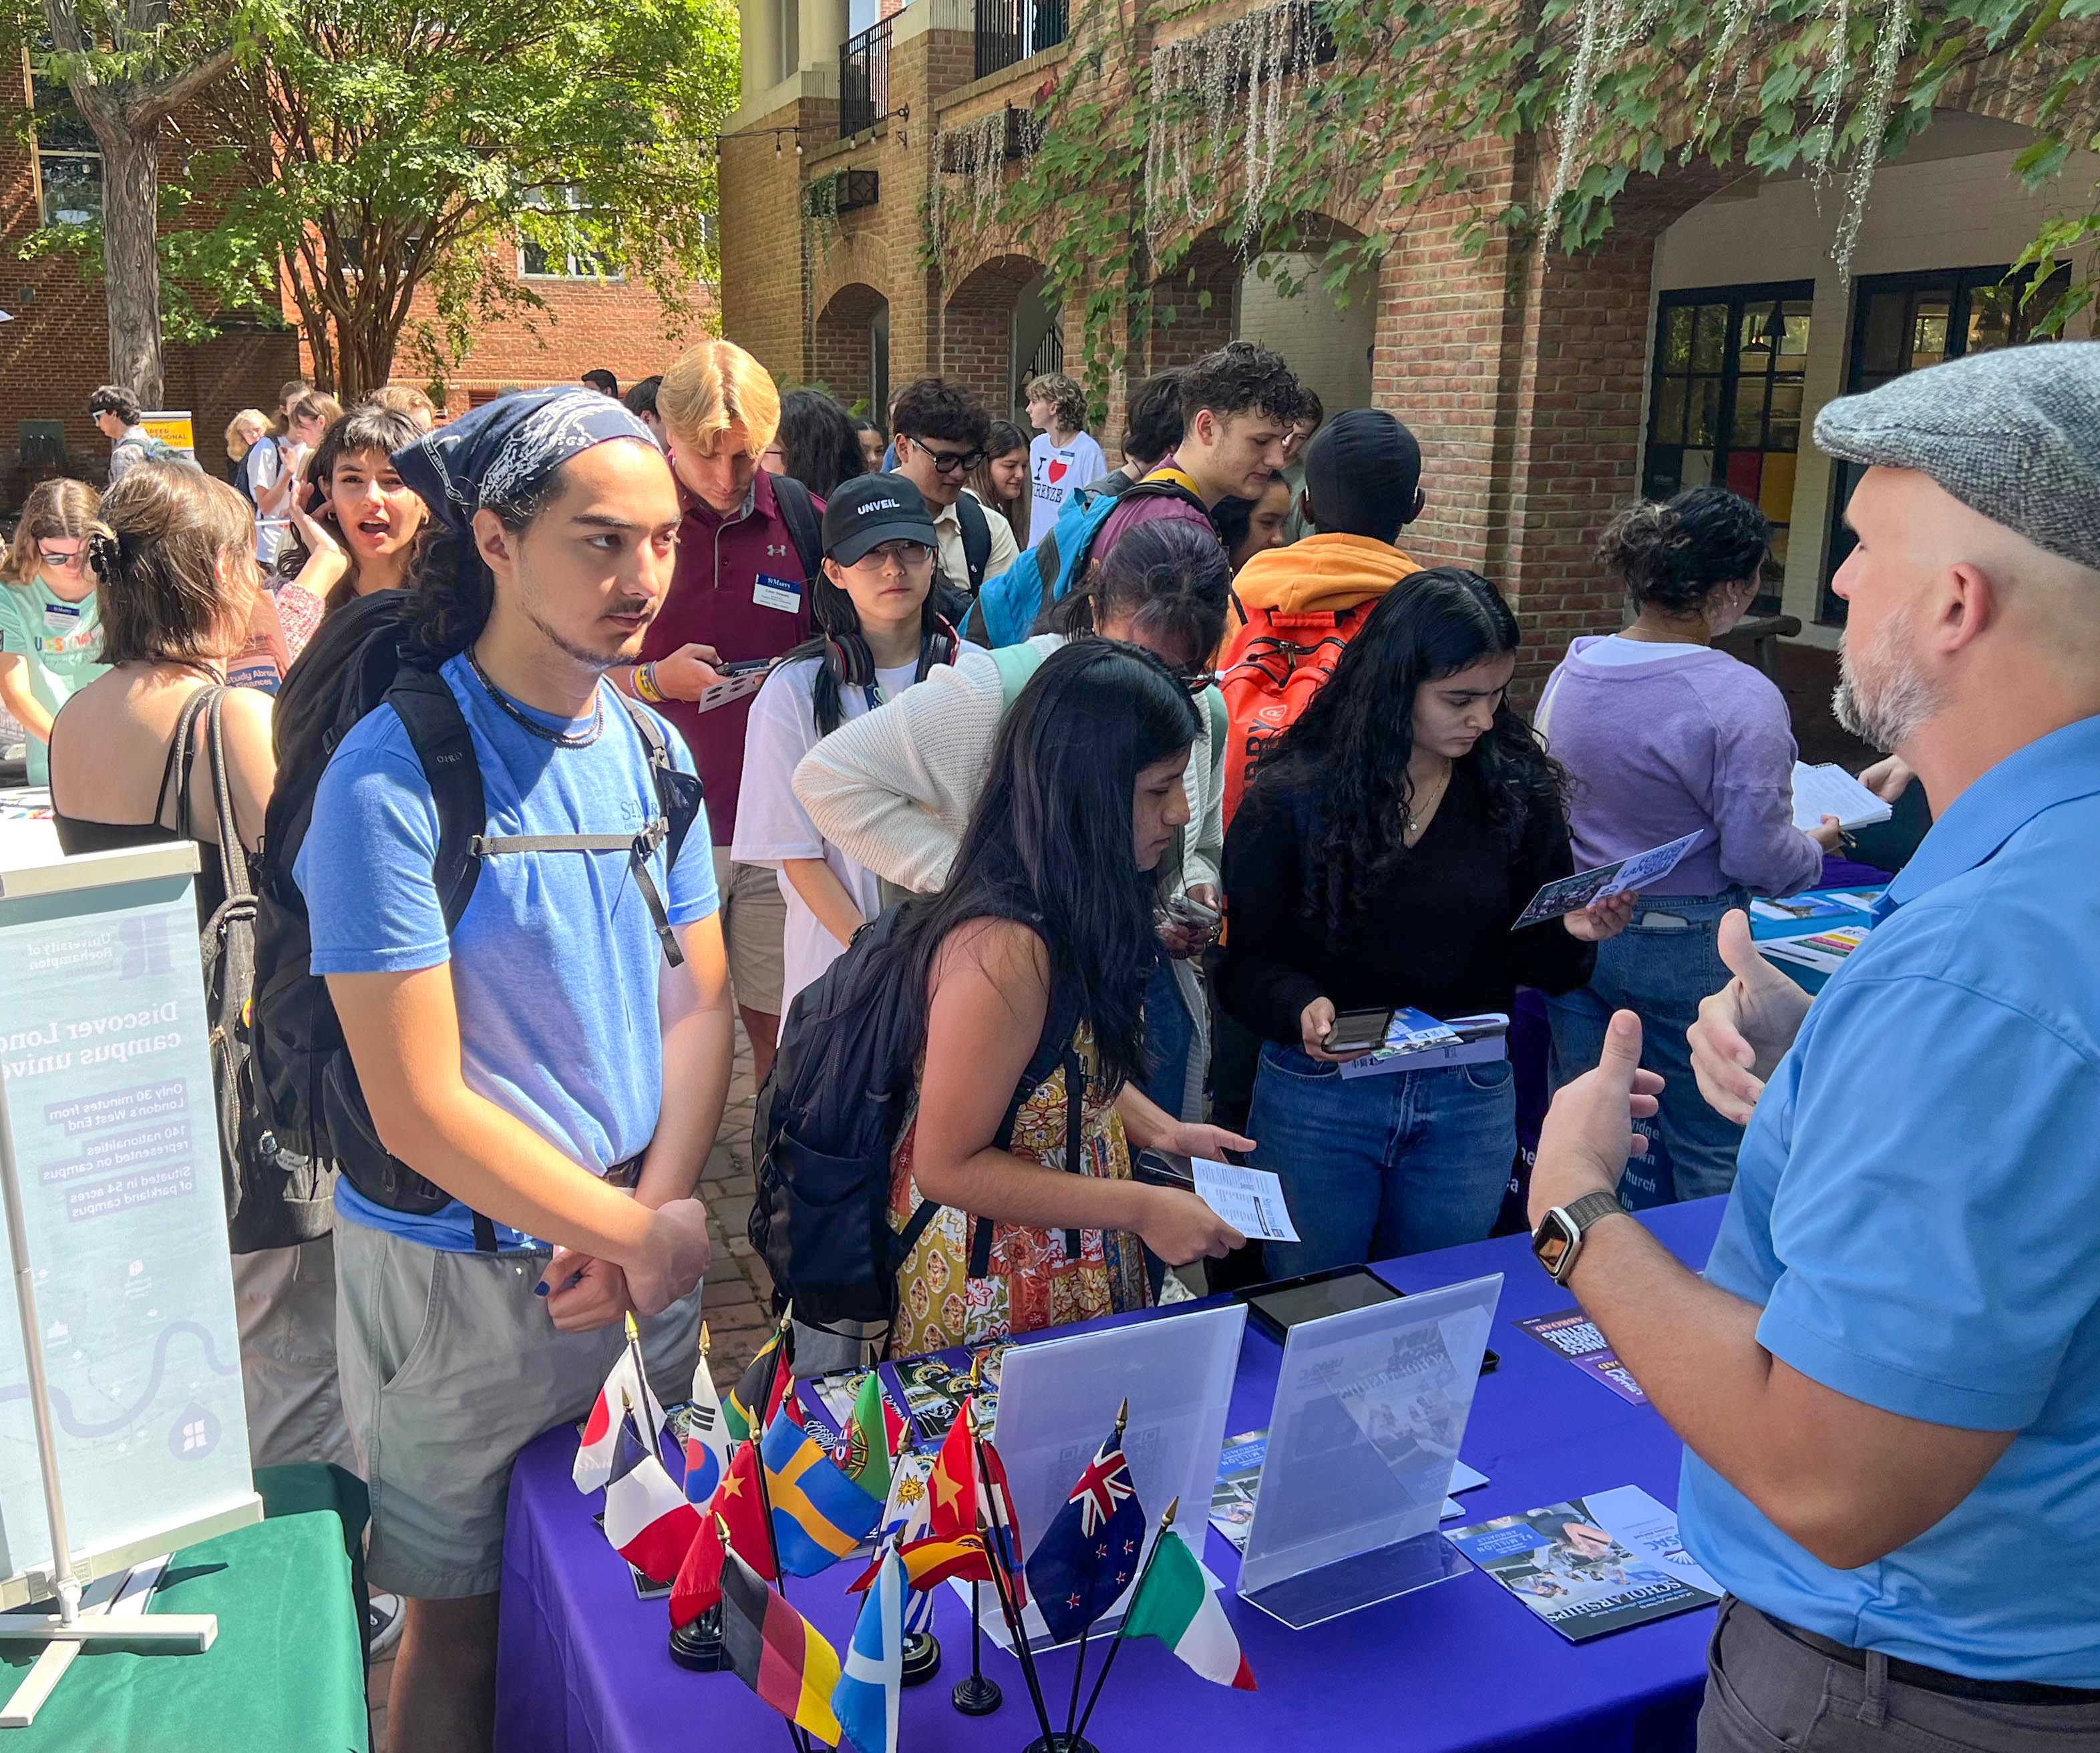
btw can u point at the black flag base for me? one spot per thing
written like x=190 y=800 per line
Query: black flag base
x=698 y=1647
x=976 y=1695
x=1062 y=1743
x=922 y=1658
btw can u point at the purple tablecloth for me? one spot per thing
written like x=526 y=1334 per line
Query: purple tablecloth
x=583 y=1667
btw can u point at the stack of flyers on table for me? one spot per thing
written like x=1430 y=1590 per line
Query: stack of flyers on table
x=1829 y=790
x=1574 y=1336
x=1416 y=1041
x=1826 y=951
x=25 y=803
x=1594 y=1564
x=1239 y=1484
x=1571 y=894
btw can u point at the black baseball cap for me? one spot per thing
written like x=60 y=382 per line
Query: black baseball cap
x=871 y=509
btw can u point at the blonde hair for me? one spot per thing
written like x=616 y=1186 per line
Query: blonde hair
x=168 y=533
x=62 y=508
x=238 y=446
x=713 y=386
x=405 y=399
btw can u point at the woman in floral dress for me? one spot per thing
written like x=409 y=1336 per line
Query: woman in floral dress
x=1043 y=939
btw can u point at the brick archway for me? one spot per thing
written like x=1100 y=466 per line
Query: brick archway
x=977 y=329
x=850 y=356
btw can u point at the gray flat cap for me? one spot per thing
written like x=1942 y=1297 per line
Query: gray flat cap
x=2015 y=434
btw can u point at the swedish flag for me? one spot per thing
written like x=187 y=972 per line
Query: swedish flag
x=819 y=1514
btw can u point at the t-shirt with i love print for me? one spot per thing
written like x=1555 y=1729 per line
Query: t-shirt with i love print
x=1056 y=469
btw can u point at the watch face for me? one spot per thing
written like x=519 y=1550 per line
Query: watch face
x=1552 y=1242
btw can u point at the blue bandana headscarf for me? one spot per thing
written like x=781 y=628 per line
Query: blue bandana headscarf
x=495 y=453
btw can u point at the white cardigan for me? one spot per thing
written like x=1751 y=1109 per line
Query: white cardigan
x=893 y=791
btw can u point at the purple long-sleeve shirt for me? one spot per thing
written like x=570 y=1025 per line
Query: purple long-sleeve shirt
x=1671 y=743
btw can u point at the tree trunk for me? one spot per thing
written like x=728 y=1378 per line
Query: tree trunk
x=130 y=261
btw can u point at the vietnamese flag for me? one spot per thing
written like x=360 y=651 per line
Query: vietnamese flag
x=951 y=1487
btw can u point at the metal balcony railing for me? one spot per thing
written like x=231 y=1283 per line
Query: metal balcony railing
x=1008 y=31
x=864 y=79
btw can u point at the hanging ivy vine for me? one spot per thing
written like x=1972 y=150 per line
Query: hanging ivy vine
x=1262 y=127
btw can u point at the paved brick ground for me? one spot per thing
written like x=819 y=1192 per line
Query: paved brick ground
x=737 y=1304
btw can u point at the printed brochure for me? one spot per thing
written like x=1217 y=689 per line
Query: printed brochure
x=1573 y=1335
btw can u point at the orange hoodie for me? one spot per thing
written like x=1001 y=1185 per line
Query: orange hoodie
x=1317 y=574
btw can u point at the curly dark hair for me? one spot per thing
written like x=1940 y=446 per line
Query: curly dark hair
x=818 y=435
x=1358 y=731
x=931 y=407
x=1674 y=554
x=1240 y=376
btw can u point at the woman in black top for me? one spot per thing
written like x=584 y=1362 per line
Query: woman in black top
x=1379 y=858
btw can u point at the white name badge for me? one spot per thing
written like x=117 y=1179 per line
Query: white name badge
x=61 y=617
x=783 y=594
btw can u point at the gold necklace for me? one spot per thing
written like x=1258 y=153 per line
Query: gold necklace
x=1414 y=815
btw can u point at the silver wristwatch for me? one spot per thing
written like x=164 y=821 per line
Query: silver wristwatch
x=1558 y=1239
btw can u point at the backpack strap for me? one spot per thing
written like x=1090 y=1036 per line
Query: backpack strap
x=977 y=539
x=974 y=628
x=1015 y=664
x=1213 y=707
x=437 y=729
x=799 y=516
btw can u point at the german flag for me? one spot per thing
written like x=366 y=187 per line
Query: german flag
x=776 y=1652
x=764 y=1384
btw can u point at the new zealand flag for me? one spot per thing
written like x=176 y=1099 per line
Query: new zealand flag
x=1089 y=1554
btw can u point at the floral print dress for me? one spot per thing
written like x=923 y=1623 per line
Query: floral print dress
x=1032 y=1285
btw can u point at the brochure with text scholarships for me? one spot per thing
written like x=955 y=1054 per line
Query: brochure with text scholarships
x=1594 y=1564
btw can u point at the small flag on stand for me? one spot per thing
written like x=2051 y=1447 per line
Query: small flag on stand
x=870 y=1440
x=626 y=1388
x=777 y=1653
x=1003 y=1526
x=903 y=1521
x=646 y=1517
x=819 y=1515
x=735 y=1508
x=758 y=1391
x=707 y=1440
x=1174 y=1604
x=865 y=1699
x=1092 y=1548
x=951 y=1486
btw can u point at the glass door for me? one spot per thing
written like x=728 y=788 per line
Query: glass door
x=1724 y=408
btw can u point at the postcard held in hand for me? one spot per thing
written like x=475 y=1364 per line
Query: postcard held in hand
x=1571 y=894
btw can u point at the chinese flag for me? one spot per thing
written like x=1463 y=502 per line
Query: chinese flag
x=735 y=1503
x=951 y=1487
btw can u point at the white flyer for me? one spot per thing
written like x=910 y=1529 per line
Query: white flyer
x=1249 y=1199
x=1829 y=790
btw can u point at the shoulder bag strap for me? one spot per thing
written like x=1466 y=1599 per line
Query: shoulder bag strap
x=800 y=518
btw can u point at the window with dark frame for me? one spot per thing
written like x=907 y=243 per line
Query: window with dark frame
x=1725 y=401
x=571 y=261
x=1905 y=322
x=69 y=158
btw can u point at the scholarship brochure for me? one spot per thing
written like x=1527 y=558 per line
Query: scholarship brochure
x=1594 y=1564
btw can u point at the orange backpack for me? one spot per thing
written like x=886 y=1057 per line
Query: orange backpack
x=1274 y=665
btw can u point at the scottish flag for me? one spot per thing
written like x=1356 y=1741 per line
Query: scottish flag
x=865 y=1699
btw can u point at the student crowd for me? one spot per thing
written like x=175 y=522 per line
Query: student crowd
x=1242 y=765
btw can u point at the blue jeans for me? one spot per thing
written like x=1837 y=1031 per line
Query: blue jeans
x=1659 y=967
x=1375 y=1167
x=1169 y=1035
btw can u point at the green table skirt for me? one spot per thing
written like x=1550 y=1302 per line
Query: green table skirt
x=286 y=1674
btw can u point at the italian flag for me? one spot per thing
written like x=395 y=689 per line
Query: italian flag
x=1174 y=1603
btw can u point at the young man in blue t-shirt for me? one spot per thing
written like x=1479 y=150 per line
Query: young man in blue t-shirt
x=542 y=1063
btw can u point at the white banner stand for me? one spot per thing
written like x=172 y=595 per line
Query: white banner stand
x=111 y=1189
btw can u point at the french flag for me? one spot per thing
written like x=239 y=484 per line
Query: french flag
x=647 y=1516
x=626 y=1390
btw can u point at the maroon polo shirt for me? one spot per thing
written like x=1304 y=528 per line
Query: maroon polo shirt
x=717 y=587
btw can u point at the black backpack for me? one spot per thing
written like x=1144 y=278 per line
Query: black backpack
x=275 y=1196
x=828 y=1116
x=362 y=656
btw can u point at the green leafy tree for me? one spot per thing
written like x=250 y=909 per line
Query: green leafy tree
x=374 y=150
x=130 y=66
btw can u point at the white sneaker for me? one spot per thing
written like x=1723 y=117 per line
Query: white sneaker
x=382 y=1624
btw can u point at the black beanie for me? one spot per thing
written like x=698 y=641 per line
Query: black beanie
x=1363 y=471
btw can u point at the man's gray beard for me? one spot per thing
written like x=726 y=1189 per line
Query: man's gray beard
x=1883 y=700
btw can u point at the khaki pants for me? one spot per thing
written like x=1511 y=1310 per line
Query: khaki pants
x=451 y=1366
x=285 y=1301
x=1767 y=1693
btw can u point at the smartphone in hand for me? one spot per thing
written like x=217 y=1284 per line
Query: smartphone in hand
x=1359 y=1031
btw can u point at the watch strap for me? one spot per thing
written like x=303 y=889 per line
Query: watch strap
x=1590 y=1207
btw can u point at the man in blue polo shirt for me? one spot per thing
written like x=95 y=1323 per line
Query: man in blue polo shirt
x=1888 y=1383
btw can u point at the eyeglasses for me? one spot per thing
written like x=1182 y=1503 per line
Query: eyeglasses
x=949 y=462
x=906 y=554
x=58 y=561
